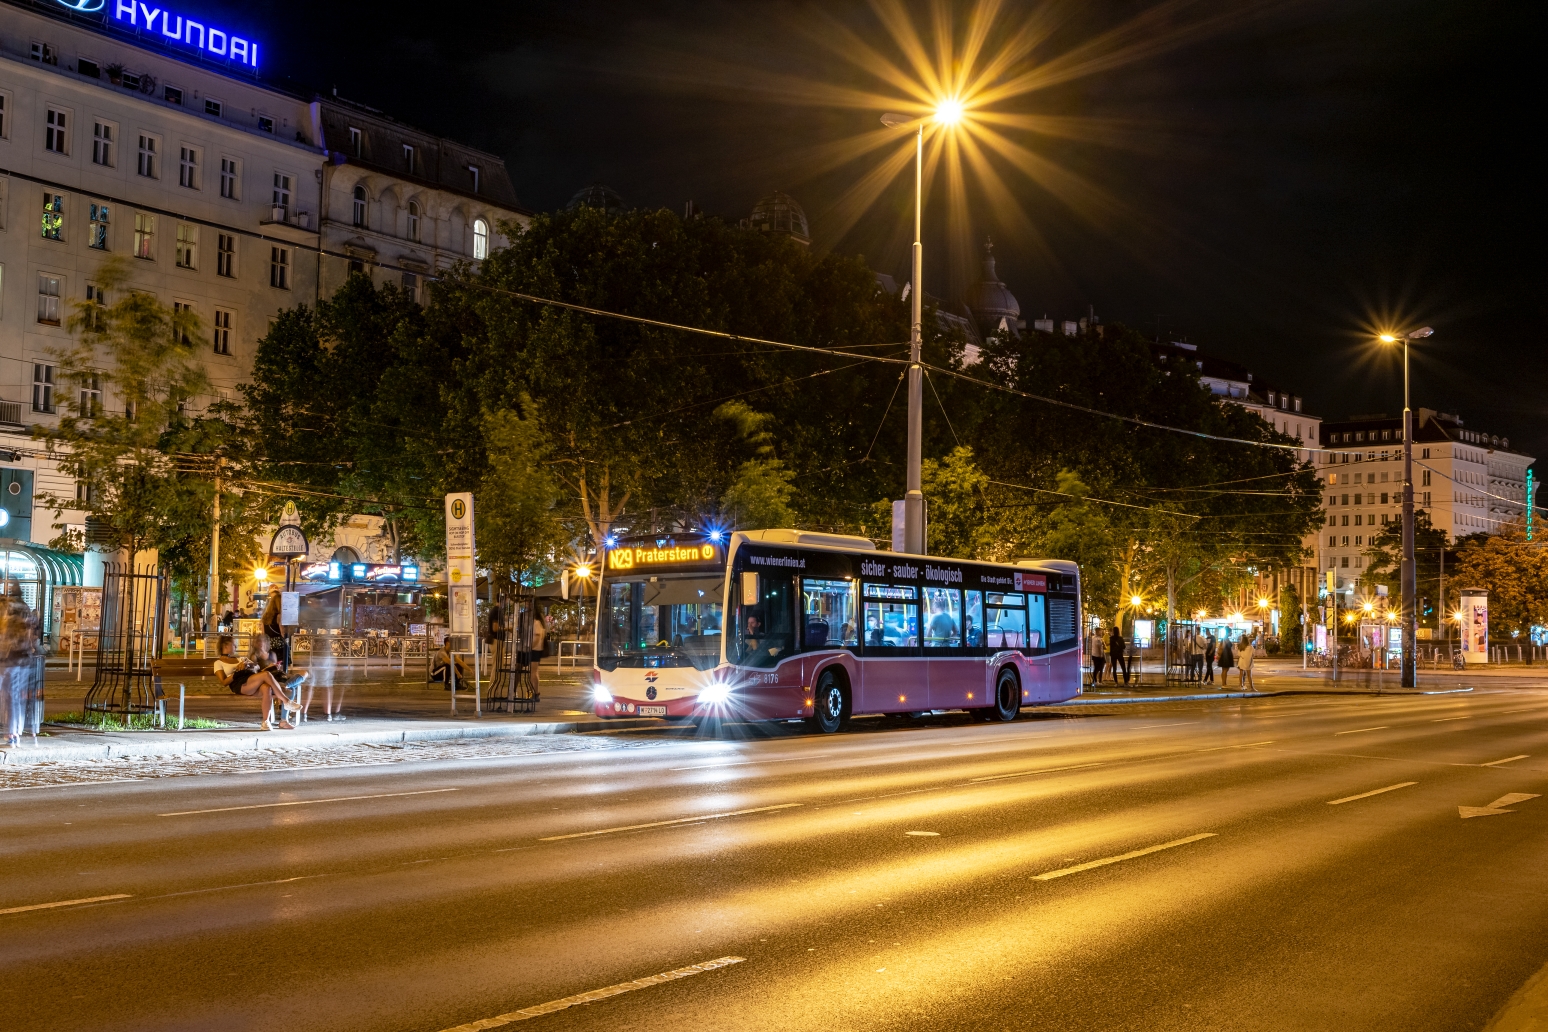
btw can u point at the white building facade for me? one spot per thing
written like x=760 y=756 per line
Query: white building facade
x=120 y=139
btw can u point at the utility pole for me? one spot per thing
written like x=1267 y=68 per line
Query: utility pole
x=212 y=597
x=913 y=498
x=1409 y=578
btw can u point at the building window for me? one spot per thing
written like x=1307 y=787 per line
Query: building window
x=2 y=116
x=48 y=303
x=44 y=53
x=359 y=212
x=1384 y=502
x=212 y=107
x=84 y=492
x=53 y=216
x=1343 y=560
x=187 y=246
x=356 y=142
x=91 y=396
x=222 y=332
x=188 y=168
x=173 y=95
x=1332 y=540
x=144 y=236
x=411 y=286
x=1426 y=454
x=356 y=265
x=413 y=221
x=1359 y=540
x=225 y=255
x=473 y=171
x=96 y=311
x=102 y=144
x=265 y=124
x=228 y=178
x=183 y=312
x=279 y=267
x=1345 y=522
x=408 y=157
x=42 y=387
x=97 y=235
x=282 y=192
x=480 y=239
x=54 y=136
x=147 y=162
x=1426 y=478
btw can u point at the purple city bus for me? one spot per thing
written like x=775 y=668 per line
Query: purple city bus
x=785 y=624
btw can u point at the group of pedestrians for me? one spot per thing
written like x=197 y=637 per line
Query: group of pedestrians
x=1112 y=653
x=1203 y=652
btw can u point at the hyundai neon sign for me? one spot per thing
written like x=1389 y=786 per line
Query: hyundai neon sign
x=174 y=28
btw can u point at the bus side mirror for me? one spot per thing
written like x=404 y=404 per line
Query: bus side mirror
x=750 y=588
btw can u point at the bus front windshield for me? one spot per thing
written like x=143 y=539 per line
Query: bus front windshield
x=660 y=621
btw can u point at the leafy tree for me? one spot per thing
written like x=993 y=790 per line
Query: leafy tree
x=141 y=354
x=959 y=521
x=760 y=495
x=518 y=529
x=1515 y=573
x=1384 y=560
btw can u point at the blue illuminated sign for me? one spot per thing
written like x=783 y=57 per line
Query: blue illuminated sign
x=84 y=6
x=175 y=28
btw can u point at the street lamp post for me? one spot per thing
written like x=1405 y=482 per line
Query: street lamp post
x=1409 y=574
x=946 y=113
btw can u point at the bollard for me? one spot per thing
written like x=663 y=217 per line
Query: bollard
x=182 y=693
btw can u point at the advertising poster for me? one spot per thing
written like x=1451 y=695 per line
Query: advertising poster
x=1475 y=626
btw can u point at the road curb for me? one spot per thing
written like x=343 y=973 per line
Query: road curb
x=1132 y=699
x=225 y=742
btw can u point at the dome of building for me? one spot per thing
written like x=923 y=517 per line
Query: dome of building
x=598 y=196
x=991 y=300
x=779 y=213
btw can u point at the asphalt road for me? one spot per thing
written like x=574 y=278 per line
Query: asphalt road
x=936 y=875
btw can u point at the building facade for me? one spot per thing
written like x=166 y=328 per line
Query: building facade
x=224 y=195
x=1468 y=481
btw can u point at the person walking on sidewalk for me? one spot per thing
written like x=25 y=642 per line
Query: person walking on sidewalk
x=1098 y=658
x=1209 y=660
x=1227 y=659
x=1198 y=656
x=539 y=646
x=1244 y=654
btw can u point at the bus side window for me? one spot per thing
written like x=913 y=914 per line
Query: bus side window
x=1037 y=622
x=828 y=614
x=973 y=620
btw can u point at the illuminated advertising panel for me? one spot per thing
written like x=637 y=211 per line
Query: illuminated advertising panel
x=170 y=27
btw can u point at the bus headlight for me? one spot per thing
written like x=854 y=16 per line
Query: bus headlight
x=600 y=694
x=715 y=691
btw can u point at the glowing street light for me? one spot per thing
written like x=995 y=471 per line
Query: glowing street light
x=260 y=574
x=1410 y=672
x=949 y=111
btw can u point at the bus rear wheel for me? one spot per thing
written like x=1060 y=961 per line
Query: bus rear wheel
x=1007 y=696
x=831 y=704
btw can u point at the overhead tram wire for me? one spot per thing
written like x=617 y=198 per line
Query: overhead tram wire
x=954 y=374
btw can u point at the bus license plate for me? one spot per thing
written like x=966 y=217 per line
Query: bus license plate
x=652 y=711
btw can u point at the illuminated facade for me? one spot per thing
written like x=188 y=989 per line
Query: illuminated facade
x=146 y=134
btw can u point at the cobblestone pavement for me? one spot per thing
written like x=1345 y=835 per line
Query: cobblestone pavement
x=146 y=768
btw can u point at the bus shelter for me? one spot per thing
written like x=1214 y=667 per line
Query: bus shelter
x=39 y=572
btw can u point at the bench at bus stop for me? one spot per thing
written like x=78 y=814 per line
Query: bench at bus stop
x=179 y=670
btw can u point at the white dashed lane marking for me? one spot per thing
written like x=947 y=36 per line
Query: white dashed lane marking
x=595 y=995
x=1367 y=795
x=667 y=824
x=1063 y=871
x=307 y=802
x=64 y=903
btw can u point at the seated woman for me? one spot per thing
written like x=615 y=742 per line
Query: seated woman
x=252 y=678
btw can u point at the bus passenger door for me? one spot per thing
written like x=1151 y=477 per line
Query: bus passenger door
x=893 y=675
x=1037 y=688
x=953 y=677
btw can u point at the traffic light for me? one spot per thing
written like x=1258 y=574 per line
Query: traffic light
x=1425 y=608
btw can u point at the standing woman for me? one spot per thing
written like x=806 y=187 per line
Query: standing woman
x=1244 y=655
x=1115 y=654
x=1209 y=660
x=1098 y=658
x=1227 y=660
x=273 y=631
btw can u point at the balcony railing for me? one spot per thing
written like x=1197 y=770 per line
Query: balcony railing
x=11 y=412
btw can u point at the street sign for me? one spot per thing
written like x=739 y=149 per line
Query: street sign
x=288 y=542
x=290 y=608
x=290 y=515
x=461 y=578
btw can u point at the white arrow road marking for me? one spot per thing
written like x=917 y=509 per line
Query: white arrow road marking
x=595 y=995
x=1495 y=807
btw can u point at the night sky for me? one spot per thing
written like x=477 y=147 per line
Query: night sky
x=1279 y=178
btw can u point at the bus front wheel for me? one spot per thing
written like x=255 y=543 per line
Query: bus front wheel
x=831 y=704
x=1007 y=696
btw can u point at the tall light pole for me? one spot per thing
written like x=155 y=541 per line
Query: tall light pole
x=946 y=114
x=1409 y=576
